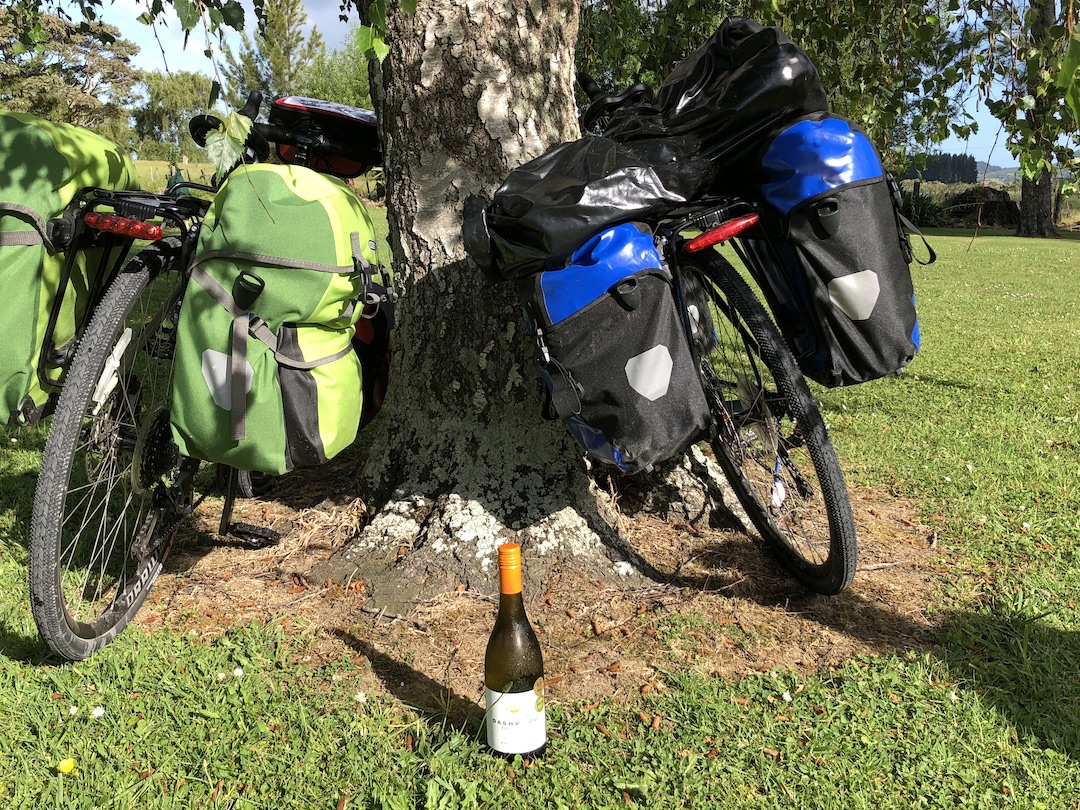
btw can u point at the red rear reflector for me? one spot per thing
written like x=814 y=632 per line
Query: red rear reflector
x=123 y=226
x=733 y=227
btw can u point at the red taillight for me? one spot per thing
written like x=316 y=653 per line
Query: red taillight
x=733 y=227
x=123 y=226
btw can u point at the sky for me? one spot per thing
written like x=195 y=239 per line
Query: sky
x=171 y=53
x=323 y=14
x=986 y=145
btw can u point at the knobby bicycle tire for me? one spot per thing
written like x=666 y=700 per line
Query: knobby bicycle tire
x=772 y=442
x=104 y=509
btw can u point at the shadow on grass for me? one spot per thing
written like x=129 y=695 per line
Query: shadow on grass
x=15 y=646
x=1021 y=665
x=1025 y=668
x=438 y=704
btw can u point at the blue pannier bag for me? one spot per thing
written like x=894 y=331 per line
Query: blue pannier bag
x=614 y=349
x=836 y=261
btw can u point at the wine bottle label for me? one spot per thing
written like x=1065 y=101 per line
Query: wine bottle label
x=516 y=721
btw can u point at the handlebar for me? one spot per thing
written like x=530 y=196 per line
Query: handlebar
x=315 y=133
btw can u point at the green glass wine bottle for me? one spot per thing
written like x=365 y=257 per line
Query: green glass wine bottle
x=514 y=670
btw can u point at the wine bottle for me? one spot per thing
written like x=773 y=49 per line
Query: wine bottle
x=514 y=670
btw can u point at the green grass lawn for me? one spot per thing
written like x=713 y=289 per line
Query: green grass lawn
x=983 y=431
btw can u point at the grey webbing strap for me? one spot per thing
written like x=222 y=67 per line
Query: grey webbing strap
x=238 y=377
x=25 y=238
x=237 y=351
x=357 y=253
x=258 y=329
x=273 y=261
x=307 y=365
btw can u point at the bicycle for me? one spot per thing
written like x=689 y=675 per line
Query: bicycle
x=113 y=488
x=768 y=435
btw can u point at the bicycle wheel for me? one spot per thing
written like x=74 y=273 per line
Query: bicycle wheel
x=110 y=492
x=249 y=483
x=772 y=442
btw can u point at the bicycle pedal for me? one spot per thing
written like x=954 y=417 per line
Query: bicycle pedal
x=253 y=537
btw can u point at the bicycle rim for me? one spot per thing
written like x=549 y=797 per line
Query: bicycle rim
x=105 y=508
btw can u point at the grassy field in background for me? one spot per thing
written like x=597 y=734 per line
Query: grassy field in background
x=983 y=432
x=154 y=175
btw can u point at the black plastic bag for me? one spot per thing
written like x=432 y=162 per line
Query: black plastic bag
x=550 y=206
x=740 y=86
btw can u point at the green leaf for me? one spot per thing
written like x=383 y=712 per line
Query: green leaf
x=378 y=16
x=188 y=13
x=225 y=146
x=238 y=127
x=233 y=13
x=1070 y=64
x=371 y=44
x=409 y=6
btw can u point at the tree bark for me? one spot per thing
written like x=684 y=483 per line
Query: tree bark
x=462 y=459
x=1037 y=207
x=1037 y=194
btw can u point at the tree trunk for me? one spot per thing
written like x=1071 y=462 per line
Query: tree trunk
x=1037 y=194
x=1037 y=207
x=462 y=459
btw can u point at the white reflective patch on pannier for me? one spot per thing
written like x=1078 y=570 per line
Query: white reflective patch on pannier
x=649 y=373
x=215 y=371
x=855 y=295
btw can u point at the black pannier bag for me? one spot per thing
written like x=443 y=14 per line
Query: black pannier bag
x=837 y=255
x=614 y=352
x=550 y=206
x=736 y=89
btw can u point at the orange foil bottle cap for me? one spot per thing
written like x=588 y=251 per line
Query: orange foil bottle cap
x=510 y=568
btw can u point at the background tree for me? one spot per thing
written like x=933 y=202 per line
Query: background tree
x=891 y=67
x=466 y=92
x=1027 y=68
x=80 y=73
x=340 y=75
x=161 y=122
x=275 y=60
x=946 y=169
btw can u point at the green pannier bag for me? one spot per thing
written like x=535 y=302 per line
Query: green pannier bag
x=42 y=166
x=266 y=376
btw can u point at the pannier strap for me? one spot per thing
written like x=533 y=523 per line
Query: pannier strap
x=276 y=261
x=25 y=238
x=913 y=229
x=245 y=323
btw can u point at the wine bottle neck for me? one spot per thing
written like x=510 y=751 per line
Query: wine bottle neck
x=510 y=580
x=510 y=568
